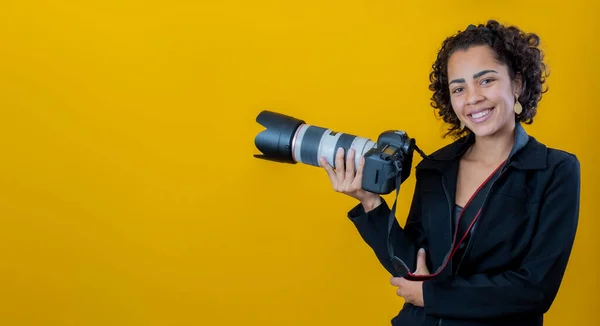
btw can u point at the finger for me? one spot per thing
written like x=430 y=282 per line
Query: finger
x=396 y=281
x=329 y=170
x=350 y=164
x=357 y=182
x=421 y=263
x=400 y=293
x=339 y=165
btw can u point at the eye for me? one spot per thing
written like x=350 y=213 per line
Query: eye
x=456 y=90
x=486 y=81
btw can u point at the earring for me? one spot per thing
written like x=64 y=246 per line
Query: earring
x=518 y=108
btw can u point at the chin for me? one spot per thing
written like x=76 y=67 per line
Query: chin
x=488 y=128
x=483 y=134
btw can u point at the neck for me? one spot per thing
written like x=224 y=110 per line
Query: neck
x=493 y=149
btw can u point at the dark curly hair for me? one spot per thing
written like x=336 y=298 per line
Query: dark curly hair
x=516 y=49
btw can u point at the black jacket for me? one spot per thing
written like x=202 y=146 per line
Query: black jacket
x=516 y=257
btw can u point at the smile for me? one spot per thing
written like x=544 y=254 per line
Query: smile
x=480 y=116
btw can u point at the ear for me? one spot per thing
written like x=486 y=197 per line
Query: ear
x=518 y=84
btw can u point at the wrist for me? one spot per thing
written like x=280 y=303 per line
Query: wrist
x=371 y=203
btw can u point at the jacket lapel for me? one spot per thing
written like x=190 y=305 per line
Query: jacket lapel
x=438 y=174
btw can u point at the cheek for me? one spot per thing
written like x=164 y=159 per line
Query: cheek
x=456 y=106
x=502 y=95
x=507 y=101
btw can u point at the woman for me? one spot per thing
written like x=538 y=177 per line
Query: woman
x=486 y=82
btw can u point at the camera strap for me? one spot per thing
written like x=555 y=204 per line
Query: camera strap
x=467 y=218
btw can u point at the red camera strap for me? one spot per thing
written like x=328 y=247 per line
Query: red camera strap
x=467 y=218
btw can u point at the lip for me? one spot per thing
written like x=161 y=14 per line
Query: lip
x=482 y=119
x=480 y=110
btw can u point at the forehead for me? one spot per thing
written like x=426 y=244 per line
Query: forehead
x=466 y=63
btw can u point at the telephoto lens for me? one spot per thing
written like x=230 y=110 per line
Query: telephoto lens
x=290 y=140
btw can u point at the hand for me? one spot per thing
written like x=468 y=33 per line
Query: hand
x=412 y=291
x=349 y=183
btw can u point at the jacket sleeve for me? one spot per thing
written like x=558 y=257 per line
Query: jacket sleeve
x=531 y=288
x=373 y=228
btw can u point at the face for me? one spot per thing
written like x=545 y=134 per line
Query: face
x=481 y=91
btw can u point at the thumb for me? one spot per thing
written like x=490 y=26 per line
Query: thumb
x=421 y=263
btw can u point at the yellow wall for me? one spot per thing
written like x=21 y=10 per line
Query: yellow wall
x=129 y=192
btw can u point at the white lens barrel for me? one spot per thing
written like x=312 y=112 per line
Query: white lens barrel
x=327 y=147
x=312 y=142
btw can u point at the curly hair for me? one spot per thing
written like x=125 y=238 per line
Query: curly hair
x=516 y=49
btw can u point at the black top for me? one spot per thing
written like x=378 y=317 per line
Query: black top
x=518 y=251
x=461 y=250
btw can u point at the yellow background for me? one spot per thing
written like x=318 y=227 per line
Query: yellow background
x=129 y=194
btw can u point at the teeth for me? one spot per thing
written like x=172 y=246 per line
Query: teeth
x=480 y=114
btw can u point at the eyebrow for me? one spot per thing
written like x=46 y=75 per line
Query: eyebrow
x=477 y=75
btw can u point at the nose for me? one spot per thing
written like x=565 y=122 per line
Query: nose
x=474 y=96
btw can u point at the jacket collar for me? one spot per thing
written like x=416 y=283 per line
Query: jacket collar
x=527 y=153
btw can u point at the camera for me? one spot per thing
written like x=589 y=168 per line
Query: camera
x=289 y=140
